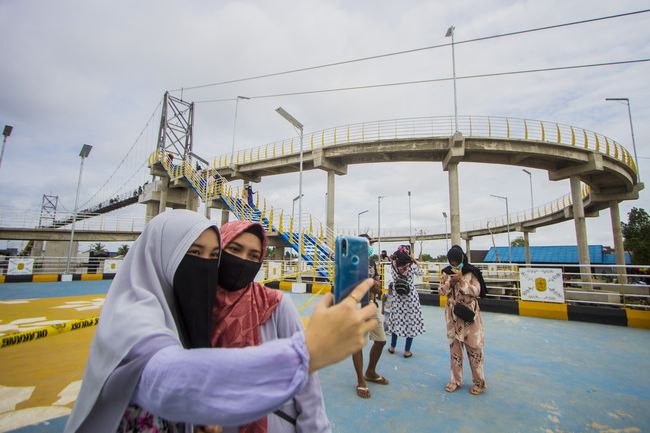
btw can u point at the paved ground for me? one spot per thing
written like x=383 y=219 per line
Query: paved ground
x=543 y=376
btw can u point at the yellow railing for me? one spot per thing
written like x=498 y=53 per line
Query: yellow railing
x=424 y=127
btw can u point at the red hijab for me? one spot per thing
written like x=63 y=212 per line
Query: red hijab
x=238 y=315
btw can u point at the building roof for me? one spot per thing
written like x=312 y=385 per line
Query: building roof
x=561 y=254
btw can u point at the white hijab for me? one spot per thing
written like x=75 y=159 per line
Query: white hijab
x=139 y=310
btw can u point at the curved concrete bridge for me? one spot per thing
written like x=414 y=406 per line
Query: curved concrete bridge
x=565 y=152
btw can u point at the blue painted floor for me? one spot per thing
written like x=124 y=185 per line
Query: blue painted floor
x=543 y=375
x=13 y=291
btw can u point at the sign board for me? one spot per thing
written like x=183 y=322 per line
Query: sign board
x=111 y=266
x=20 y=266
x=274 y=270
x=541 y=284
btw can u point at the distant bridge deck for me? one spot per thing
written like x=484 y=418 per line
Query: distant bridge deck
x=543 y=375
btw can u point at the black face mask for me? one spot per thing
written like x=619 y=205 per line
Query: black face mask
x=195 y=289
x=236 y=273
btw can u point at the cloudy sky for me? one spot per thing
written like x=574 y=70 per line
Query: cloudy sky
x=75 y=72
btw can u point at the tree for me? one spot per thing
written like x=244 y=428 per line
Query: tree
x=426 y=257
x=440 y=259
x=122 y=250
x=518 y=242
x=98 y=248
x=637 y=235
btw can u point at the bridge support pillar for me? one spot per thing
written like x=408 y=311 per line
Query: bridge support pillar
x=454 y=203
x=615 y=215
x=581 y=230
x=37 y=249
x=151 y=211
x=224 y=216
x=164 y=187
x=526 y=247
x=330 y=200
x=192 y=202
x=468 y=251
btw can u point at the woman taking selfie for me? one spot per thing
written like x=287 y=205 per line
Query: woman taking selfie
x=461 y=283
x=247 y=313
x=150 y=366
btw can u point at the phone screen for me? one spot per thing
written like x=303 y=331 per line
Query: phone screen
x=351 y=267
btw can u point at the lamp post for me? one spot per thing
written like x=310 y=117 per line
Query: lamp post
x=410 y=225
x=289 y=118
x=444 y=215
x=359 y=220
x=234 y=129
x=507 y=225
x=6 y=132
x=85 y=151
x=450 y=34
x=379 y=222
x=293 y=205
x=629 y=113
x=530 y=179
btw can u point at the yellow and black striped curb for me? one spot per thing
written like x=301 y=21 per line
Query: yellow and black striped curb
x=581 y=313
x=52 y=278
x=47 y=331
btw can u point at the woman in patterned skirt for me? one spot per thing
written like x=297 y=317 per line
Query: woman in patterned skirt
x=460 y=283
x=405 y=319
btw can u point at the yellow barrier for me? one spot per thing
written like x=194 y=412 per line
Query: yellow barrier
x=2 y=279
x=91 y=277
x=45 y=278
x=46 y=331
x=544 y=310
x=638 y=318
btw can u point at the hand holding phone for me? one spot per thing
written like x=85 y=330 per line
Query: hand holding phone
x=351 y=266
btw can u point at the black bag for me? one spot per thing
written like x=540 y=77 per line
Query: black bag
x=464 y=312
x=401 y=285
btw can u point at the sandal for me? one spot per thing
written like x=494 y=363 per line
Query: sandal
x=363 y=392
x=391 y=350
x=451 y=387
x=477 y=390
x=408 y=354
x=379 y=379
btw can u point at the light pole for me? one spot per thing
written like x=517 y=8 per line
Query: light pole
x=85 y=151
x=410 y=225
x=444 y=215
x=359 y=220
x=530 y=179
x=629 y=113
x=5 y=133
x=293 y=205
x=507 y=225
x=289 y=118
x=379 y=222
x=450 y=33
x=234 y=129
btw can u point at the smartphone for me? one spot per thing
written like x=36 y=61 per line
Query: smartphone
x=351 y=266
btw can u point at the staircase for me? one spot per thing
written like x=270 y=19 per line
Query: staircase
x=316 y=249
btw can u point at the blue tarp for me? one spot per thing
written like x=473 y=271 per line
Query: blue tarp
x=565 y=254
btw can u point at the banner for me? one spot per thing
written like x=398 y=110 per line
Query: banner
x=541 y=284
x=20 y=266
x=46 y=331
x=111 y=266
x=274 y=270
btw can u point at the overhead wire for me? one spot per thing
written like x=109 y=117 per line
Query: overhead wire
x=408 y=51
x=432 y=80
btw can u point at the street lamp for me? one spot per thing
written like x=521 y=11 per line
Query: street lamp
x=507 y=225
x=530 y=179
x=410 y=226
x=444 y=215
x=85 y=151
x=629 y=113
x=358 y=221
x=450 y=34
x=234 y=129
x=5 y=133
x=289 y=118
x=293 y=205
x=379 y=222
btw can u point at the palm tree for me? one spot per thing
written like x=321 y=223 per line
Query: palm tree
x=98 y=248
x=122 y=250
